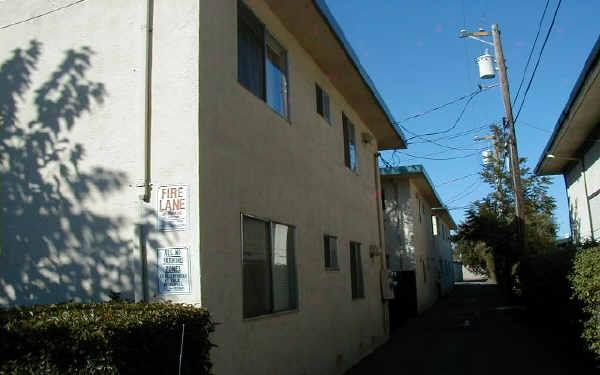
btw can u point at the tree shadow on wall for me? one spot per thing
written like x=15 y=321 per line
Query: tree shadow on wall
x=53 y=247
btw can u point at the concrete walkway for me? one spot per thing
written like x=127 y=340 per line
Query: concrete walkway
x=493 y=341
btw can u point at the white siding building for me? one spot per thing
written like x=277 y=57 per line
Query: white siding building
x=574 y=151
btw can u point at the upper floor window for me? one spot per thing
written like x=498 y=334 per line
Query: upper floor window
x=330 y=252
x=434 y=225
x=262 y=61
x=350 y=149
x=322 y=103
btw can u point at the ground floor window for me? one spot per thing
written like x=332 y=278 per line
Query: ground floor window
x=356 y=272
x=269 y=268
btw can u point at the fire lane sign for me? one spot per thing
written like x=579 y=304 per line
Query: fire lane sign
x=172 y=208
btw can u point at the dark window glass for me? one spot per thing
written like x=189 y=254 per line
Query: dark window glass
x=262 y=61
x=330 y=252
x=350 y=149
x=356 y=272
x=251 y=47
x=269 y=267
x=322 y=103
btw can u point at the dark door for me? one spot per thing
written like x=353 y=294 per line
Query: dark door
x=404 y=305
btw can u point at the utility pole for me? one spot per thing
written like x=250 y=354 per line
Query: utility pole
x=512 y=138
x=510 y=123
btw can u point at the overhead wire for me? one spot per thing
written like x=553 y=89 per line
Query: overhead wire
x=457 y=179
x=538 y=59
x=41 y=15
x=531 y=51
x=460 y=115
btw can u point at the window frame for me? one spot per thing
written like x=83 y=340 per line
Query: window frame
x=324 y=102
x=349 y=135
x=326 y=256
x=266 y=36
x=358 y=292
x=294 y=290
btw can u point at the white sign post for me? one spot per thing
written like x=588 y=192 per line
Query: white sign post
x=172 y=208
x=174 y=271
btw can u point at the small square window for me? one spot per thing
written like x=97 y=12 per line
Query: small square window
x=323 y=103
x=330 y=252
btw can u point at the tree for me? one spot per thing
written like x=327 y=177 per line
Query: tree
x=487 y=240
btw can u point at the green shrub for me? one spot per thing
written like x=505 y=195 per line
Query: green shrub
x=585 y=283
x=543 y=282
x=104 y=338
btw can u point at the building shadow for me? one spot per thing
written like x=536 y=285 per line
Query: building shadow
x=54 y=247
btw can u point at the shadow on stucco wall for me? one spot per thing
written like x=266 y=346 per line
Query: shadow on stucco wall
x=53 y=249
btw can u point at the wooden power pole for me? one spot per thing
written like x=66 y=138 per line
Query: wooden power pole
x=512 y=139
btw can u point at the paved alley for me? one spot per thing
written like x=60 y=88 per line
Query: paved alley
x=471 y=332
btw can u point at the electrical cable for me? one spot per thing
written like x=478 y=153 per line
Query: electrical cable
x=420 y=114
x=469 y=97
x=457 y=179
x=465 y=193
x=41 y=15
x=531 y=52
x=453 y=136
x=441 y=159
x=538 y=60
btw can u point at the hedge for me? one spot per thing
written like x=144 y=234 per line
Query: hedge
x=585 y=283
x=105 y=338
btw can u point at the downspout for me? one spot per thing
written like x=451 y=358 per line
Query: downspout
x=147 y=184
x=587 y=197
x=148 y=103
x=383 y=265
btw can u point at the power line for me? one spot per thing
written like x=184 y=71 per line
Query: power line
x=456 y=135
x=41 y=15
x=538 y=60
x=532 y=49
x=460 y=115
x=441 y=159
x=457 y=179
x=420 y=114
x=466 y=192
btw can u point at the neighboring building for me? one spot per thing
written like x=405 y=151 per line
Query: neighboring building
x=213 y=152
x=417 y=231
x=574 y=149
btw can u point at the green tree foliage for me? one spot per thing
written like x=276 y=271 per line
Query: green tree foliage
x=585 y=284
x=487 y=241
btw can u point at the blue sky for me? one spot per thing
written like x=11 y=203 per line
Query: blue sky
x=412 y=53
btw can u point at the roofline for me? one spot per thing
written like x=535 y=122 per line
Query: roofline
x=590 y=62
x=339 y=34
x=417 y=169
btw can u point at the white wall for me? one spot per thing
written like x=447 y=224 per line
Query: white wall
x=72 y=156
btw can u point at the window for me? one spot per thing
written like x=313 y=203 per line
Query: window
x=262 y=62
x=350 y=149
x=330 y=252
x=356 y=275
x=419 y=209
x=323 y=103
x=434 y=225
x=269 y=267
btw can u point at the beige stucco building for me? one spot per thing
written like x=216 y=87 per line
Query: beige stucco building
x=573 y=151
x=417 y=231
x=202 y=151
